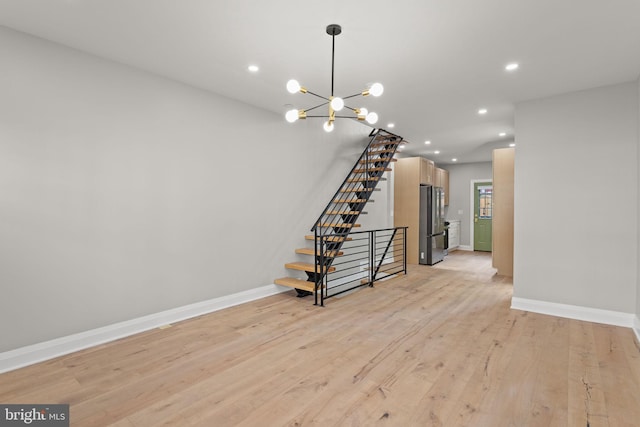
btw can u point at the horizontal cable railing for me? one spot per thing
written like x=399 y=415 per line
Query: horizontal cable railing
x=358 y=259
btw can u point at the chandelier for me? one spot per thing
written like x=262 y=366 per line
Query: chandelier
x=335 y=103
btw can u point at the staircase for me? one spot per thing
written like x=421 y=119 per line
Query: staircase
x=339 y=217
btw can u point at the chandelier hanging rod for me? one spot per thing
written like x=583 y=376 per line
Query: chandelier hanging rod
x=335 y=103
x=334 y=30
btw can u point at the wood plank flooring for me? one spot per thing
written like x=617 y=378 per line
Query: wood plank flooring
x=438 y=347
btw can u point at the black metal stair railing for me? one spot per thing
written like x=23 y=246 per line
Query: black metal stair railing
x=367 y=257
x=369 y=182
x=335 y=224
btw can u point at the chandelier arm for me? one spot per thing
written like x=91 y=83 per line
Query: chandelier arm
x=317 y=106
x=338 y=117
x=319 y=96
x=352 y=96
x=352 y=109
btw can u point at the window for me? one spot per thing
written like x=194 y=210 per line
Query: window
x=485 y=202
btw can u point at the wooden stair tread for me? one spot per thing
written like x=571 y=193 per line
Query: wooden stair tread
x=382 y=144
x=339 y=225
x=352 y=201
x=311 y=251
x=359 y=190
x=329 y=238
x=386 y=150
x=306 y=266
x=378 y=160
x=350 y=213
x=370 y=179
x=372 y=170
x=388 y=136
x=295 y=283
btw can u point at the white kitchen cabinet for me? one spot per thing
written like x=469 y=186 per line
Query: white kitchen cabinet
x=454 y=234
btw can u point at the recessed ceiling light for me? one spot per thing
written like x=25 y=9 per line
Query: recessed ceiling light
x=401 y=146
x=512 y=66
x=502 y=134
x=391 y=125
x=454 y=160
x=436 y=152
x=482 y=111
x=512 y=144
x=427 y=142
x=253 y=68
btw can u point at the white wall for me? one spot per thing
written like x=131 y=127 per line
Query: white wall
x=124 y=194
x=460 y=177
x=576 y=199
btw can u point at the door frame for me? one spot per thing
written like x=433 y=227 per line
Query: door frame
x=471 y=208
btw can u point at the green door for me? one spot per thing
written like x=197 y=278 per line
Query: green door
x=482 y=214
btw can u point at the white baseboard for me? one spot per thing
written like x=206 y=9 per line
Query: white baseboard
x=636 y=327
x=464 y=248
x=576 y=312
x=40 y=352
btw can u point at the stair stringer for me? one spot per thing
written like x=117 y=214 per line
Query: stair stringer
x=347 y=205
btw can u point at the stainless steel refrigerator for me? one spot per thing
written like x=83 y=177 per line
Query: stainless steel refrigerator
x=431 y=237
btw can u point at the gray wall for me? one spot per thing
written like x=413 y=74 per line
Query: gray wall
x=576 y=199
x=124 y=194
x=638 y=259
x=460 y=177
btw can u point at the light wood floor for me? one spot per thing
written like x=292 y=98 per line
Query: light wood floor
x=438 y=347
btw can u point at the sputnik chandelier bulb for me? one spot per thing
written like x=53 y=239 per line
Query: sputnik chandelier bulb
x=335 y=103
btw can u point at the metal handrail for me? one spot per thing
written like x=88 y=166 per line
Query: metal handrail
x=364 y=257
x=374 y=134
x=384 y=254
x=351 y=197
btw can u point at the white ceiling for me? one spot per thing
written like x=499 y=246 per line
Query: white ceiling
x=440 y=61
